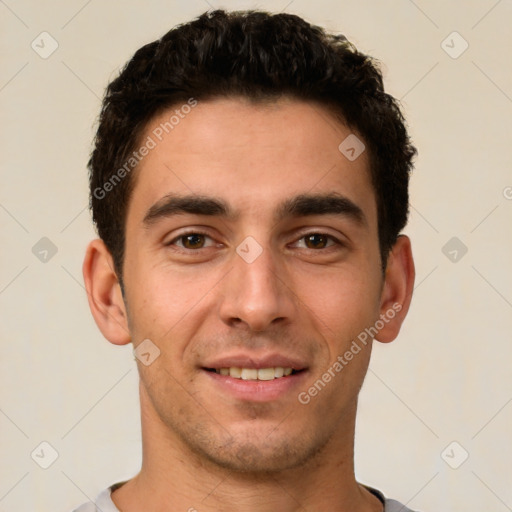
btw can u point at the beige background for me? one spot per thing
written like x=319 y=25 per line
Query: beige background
x=446 y=378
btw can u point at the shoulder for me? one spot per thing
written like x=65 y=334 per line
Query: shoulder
x=389 y=504
x=103 y=502
x=395 y=506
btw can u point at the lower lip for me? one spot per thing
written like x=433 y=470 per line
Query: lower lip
x=258 y=390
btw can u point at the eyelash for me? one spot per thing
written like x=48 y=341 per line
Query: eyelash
x=304 y=235
x=188 y=233
x=329 y=238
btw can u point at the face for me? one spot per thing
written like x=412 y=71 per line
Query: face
x=252 y=251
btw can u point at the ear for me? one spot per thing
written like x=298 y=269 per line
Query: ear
x=397 y=289
x=104 y=293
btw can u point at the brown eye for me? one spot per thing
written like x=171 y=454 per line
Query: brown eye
x=316 y=241
x=192 y=241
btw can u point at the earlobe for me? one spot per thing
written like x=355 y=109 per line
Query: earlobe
x=397 y=290
x=104 y=293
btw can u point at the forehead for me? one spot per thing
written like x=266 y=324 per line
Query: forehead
x=253 y=154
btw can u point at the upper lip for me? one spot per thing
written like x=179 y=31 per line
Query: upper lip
x=256 y=361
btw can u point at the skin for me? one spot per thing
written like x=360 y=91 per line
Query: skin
x=197 y=299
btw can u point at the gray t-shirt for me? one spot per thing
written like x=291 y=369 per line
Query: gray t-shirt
x=104 y=502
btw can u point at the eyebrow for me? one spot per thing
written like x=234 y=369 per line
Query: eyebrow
x=173 y=204
x=303 y=205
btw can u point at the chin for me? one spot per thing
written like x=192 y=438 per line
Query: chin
x=259 y=455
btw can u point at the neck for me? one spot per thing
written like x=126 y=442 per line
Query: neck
x=174 y=478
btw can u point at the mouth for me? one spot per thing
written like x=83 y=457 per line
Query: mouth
x=264 y=374
x=256 y=377
x=264 y=384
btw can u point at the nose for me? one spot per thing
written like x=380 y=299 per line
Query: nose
x=256 y=294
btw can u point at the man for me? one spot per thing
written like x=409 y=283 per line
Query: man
x=249 y=183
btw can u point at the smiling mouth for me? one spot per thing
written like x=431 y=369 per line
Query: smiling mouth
x=255 y=374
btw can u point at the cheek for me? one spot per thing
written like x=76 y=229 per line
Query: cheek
x=344 y=301
x=167 y=304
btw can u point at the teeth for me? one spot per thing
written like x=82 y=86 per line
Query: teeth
x=235 y=372
x=266 y=374
x=249 y=374
x=255 y=374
